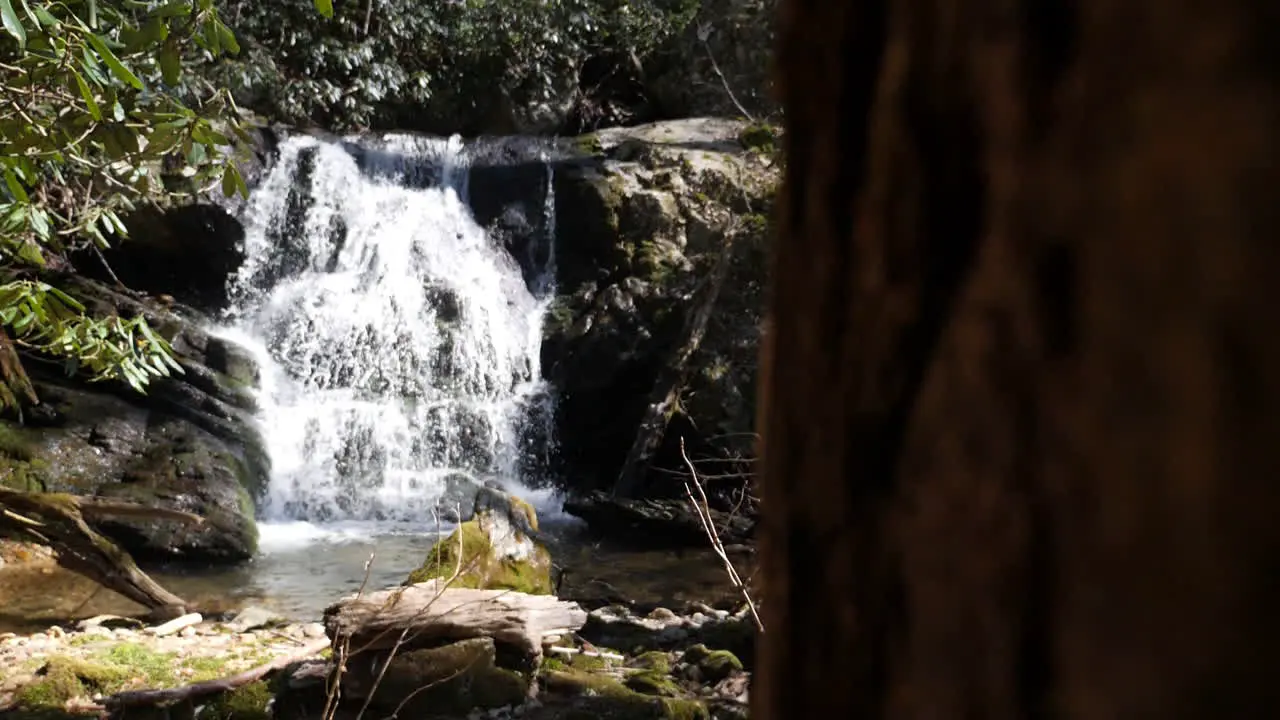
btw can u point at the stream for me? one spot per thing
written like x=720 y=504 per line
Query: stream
x=303 y=568
x=399 y=349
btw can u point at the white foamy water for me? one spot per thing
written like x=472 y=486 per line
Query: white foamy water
x=399 y=345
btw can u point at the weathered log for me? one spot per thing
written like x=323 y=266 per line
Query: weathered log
x=430 y=612
x=170 y=696
x=57 y=521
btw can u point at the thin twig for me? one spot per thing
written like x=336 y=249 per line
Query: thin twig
x=704 y=31
x=704 y=514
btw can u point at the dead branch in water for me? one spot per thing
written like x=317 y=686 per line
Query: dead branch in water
x=57 y=521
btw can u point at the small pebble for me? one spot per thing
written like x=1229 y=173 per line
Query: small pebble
x=313 y=630
x=188 y=632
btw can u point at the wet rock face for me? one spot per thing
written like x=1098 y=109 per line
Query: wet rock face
x=189 y=444
x=643 y=214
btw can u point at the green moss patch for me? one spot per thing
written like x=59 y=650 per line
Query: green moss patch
x=128 y=666
x=607 y=698
x=760 y=137
x=650 y=682
x=715 y=665
x=655 y=660
x=481 y=567
x=64 y=678
x=248 y=702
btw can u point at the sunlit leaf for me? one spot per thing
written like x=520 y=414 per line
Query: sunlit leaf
x=12 y=23
x=15 y=186
x=44 y=18
x=118 y=68
x=170 y=63
x=87 y=95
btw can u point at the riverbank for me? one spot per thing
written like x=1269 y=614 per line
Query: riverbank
x=66 y=668
x=621 y=663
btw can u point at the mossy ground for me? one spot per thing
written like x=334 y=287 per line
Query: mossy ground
x=90 y=668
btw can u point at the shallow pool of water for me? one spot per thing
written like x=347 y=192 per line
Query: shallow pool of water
x=302 y=569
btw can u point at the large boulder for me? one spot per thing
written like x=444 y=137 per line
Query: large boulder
x=189 y=444
x=497 y=548
x=643 y=215
x=446 y=681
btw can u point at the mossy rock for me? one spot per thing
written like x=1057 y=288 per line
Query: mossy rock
x=447 y=681
x=652 y=682
x=489 y=553
x=655 y=660
x=588 y=144
x=603 y=697
x=715 y=665
x=760 y=137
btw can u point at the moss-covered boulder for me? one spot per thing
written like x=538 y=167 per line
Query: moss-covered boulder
x=583 y=695
x=714 y=665
x=495 y=549
x=449 y=681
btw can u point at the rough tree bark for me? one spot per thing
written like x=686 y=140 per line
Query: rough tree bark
x=1020 y=451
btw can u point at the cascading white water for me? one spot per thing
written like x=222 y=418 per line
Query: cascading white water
x=401 y=342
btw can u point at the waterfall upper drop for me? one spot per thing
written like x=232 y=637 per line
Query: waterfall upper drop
x=403 y=341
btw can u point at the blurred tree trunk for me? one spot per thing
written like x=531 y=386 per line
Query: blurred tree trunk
x=1021 y=456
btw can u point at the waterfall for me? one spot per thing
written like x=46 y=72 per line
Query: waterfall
x=400 y=341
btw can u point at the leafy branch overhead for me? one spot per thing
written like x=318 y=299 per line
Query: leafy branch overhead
x=93 y=127
x=387 y=63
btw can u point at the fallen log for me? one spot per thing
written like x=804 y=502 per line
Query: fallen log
x=430 y=612
x=195 y=691
x=58 y=521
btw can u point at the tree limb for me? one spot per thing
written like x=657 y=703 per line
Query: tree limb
x=57 y=520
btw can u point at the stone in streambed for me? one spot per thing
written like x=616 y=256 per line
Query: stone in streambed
x=254 y=618
x=495 y=549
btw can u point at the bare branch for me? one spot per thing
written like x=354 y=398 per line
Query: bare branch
x=704 y=514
